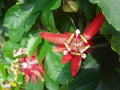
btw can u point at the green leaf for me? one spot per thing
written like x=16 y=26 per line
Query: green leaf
x=56 y=5
x=32 y=86
x=2 y=73
x=64 y=23
x=44 y=49
x=43 y=4
x=48 y=20
x=109 y=82
x=19 y=19
x=87 y=80
x=90 y=63
x=112 y=36
x=14 y=36
x=50 y=84
x=33 y=43
x=106 y=58
x=88 y=9
x=56 y=70
x=115 y=42
x=9 y=47
x=111 y=10
x=17 y=15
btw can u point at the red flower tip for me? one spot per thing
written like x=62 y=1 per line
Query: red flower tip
x=94 y=26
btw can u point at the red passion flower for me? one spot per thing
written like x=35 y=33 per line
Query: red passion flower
x=27 y=66
x=74 y=46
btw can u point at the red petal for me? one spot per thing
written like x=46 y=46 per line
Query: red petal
x=27 y=78
x=75 y=64
x=37 y=73
x=94 y=26
x=59 y=48
x=55 y=38
x=66 y=58
x=34 y=78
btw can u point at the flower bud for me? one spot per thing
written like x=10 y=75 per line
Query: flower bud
x=70 y=6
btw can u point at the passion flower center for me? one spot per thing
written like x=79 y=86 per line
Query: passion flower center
x=77 y=44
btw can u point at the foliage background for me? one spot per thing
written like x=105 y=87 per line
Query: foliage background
x=21 y=21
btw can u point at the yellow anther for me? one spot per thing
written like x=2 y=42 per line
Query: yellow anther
x=75 y=53
x=83 y=38
x=85 y=48
x=67 y=46
x=71 y=37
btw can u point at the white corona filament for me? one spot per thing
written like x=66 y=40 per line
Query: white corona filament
x=83 y=56
x=65 y=52
x=77 y=32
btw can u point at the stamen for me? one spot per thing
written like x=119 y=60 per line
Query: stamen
x=19 y=52
x=83 y=56
x=75 y=53
x=83 y=38
x=77 y=32
x=71 y=37
x=77 y=44
x=65 y=52
x=24 y=65
x=85 y=48
x=67 y=46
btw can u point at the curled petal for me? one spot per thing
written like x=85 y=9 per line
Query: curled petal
x=94 y=26
x=75 y=64
x=66 y=58
x=55 y=38
x=27 y=78
x=34 y=78
x=37 y=73
x=59 y=48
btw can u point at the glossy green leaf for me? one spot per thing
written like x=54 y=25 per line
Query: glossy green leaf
x=90 y=63
x=33 y=43
x=111 y=11
x=115 y=41
x=19 y=19
x=43 y=4
x=44 y=49
x=112 y=36
x=87 y=80
x=56 y=5
x=50 y=84
x=48 y=20
x=9 y=47
x=32 y=86
x=56 y=70
x=17 y=15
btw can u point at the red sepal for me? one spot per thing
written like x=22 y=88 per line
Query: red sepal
x=66 y=58
x=59 y=48
x=94 y=26
x=55 y=38
x=75 y=64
